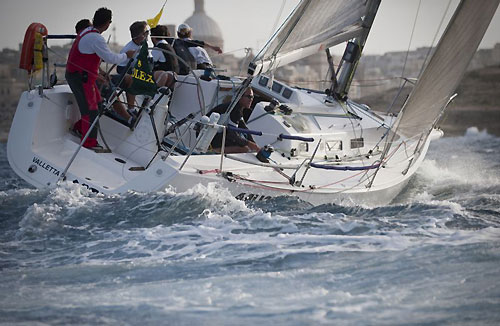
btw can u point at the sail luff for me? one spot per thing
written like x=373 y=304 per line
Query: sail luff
x=447 y=66
x=293 y=22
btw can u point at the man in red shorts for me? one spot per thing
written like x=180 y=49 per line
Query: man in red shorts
x=82 y=70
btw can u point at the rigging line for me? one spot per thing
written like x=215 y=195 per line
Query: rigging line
x=351 y=120
x=339 y=181
x=265 y=181
x=257 y=184
x=401 y=88
x=232 y=51
x=382 y=162
x=410 y=41
x=356 y=83
x=63 y=57
x=277 y=18
x=434 y=39
x=355 y=136
x=275 y=33
x=357 y=109
x=199 y=91
x=255 y=181
x=107 y=42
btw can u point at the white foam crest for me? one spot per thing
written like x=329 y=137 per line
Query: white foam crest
x=337 y=221
x=474 y=132
x=218 y=198
x=450 y=237
x=454 y=182
x=220 y=243
x=210 y=240
x=303 y=243
x=19 y=192
x=431 y=234
x=218 y=237
x=267 y=221
x=349 y=226
x=73 y=195
x=435 y=173
x=61 y=203
x=39 y=217
x=153 y=245
x=462 y=160
x=428 y=199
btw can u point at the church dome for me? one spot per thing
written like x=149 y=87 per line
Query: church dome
x=204 y=27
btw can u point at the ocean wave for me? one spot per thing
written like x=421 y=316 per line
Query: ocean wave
x=474 y=132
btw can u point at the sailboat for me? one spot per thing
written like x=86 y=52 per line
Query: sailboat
x=319 y=146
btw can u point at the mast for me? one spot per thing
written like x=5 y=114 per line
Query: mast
x=352 y=53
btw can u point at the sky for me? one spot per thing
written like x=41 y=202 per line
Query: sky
x=244 y=23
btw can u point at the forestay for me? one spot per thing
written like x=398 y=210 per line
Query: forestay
x=447 y=66
x=313 y=26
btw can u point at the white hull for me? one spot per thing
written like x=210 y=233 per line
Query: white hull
x=40 y=147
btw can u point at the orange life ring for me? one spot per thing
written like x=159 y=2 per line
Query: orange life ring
x=28 y=51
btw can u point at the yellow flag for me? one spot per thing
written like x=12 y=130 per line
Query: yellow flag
x=154 y=21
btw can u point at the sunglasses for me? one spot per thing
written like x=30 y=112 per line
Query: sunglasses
x=248 y=96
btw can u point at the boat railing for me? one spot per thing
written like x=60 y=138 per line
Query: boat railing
x=279 y=137
x=47 y=81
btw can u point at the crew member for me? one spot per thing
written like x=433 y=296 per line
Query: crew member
x=166 y=61
x=82 y=70
x=235 y=142
x=139 y=32
x=81 y=25
x=200 y=55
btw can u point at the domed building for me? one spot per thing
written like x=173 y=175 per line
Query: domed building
x=204 y=27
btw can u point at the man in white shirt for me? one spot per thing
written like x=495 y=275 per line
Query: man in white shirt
x=201 y=56
x=139 y=32
x=165 y=61
x=82 y=70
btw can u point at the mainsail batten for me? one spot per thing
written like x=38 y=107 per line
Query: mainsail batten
x=447 y=66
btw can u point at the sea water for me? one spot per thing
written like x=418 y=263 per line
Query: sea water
x=202 y=257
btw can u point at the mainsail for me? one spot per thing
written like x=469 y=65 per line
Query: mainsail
x=313 y=26
x=446 y=67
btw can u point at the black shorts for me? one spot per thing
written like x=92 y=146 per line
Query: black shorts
x=75 y=82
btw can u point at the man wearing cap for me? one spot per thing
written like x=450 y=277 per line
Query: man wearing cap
x=82 y=70
x=197 y=53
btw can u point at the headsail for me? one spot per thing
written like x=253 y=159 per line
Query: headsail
x=447 y=66
x=313 y=26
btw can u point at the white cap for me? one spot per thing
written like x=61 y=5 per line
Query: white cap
x=183 y=27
